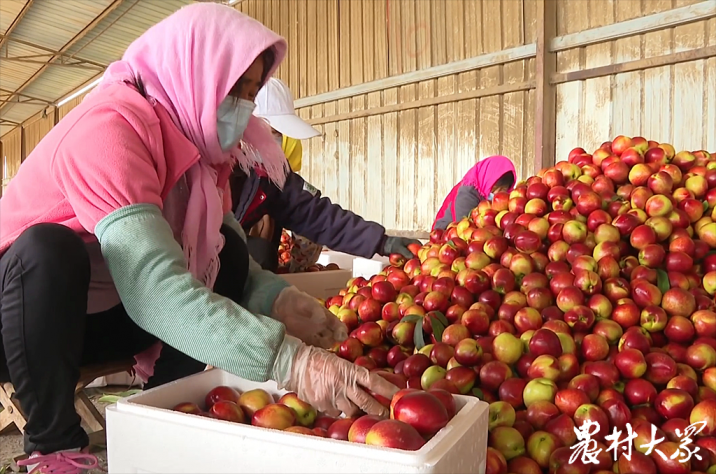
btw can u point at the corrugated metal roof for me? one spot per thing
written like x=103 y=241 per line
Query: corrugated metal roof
x=82 y=35
x=9 y=10
x=53 y=23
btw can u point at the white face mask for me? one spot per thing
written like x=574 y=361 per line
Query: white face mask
x=231 y=121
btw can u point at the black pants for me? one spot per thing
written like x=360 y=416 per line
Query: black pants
x=264 y=252
x=47 y=335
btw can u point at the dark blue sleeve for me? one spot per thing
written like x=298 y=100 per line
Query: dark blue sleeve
x=466 y=200
x=301 y=209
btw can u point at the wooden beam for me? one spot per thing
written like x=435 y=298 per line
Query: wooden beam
x=79 y=65
x=9 y=92
x=15 y=22
x=546 y=93
x=21 y=100
x=637 y=65
x=658 y=21
x=490 y=59
x=113 y=6
x=108 y=26
x=432 y=101
x=52 y=52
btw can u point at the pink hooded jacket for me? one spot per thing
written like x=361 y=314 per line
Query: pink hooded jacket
x=482 y=177
x=118 y=148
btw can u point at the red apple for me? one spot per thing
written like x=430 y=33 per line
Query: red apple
x=586 y=383
x=660 y=368
x=568 y=400
x=541 y=412
x=673 y=403
x=594 y=414
x=221 y=393
x=617 y=413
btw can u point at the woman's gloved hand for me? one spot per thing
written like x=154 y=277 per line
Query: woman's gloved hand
x=306 y=319
x=399 y=245
x=330 y=384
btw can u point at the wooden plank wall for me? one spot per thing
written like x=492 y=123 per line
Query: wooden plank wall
x=12 y=154
x=35 y=129
x=397 y=167
x=674 y=103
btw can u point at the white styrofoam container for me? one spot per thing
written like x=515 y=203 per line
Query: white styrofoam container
x=367 y=268
x=319 y=284
x=343 y=260
x=145 y=436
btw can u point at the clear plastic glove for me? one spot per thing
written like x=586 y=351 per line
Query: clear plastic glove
x=306 y=319
x=333 y=385
x=399 y=245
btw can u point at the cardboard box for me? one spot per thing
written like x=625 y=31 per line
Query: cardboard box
x=145 y=436
x=319 y=284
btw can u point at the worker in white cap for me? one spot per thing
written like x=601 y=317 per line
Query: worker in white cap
x=274 y=104
x=299 y=207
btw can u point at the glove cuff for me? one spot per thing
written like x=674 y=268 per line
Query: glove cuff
x=286 y=358
x=382 y=250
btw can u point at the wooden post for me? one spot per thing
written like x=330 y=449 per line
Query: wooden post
x=546 y=92
x=22 y=144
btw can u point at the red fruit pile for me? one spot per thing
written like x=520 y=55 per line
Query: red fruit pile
x=415 y=416
x=256 y=407
x=284 y=249
x=584 y=295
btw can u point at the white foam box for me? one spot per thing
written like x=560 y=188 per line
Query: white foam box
x=367 y=268
x=145 y=436
x=343 y=260
x=320 y=284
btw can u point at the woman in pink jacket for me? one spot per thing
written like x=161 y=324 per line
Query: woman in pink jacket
x=116 y=237
x=487 y=177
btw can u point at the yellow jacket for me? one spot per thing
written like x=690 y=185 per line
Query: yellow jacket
x=293 y=150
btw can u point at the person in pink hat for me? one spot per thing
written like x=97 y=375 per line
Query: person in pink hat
x=117 y=240
x=299 y=206
x=482 y=181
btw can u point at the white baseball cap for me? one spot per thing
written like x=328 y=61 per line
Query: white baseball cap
x=274 y=103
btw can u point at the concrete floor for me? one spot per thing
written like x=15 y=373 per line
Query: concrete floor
x=11 y=442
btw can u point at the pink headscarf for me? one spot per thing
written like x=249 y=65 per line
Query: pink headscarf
x=482 y=177
x=189 y=63
x=487 y=172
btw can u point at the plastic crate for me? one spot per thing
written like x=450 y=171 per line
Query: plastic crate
x=145 y=436
x=319 y=284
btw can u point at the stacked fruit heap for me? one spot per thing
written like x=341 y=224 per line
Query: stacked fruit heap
x=585 y=294
x=415 y=416
x=284 y=249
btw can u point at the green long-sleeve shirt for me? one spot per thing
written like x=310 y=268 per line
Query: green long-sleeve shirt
x=161 y=296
